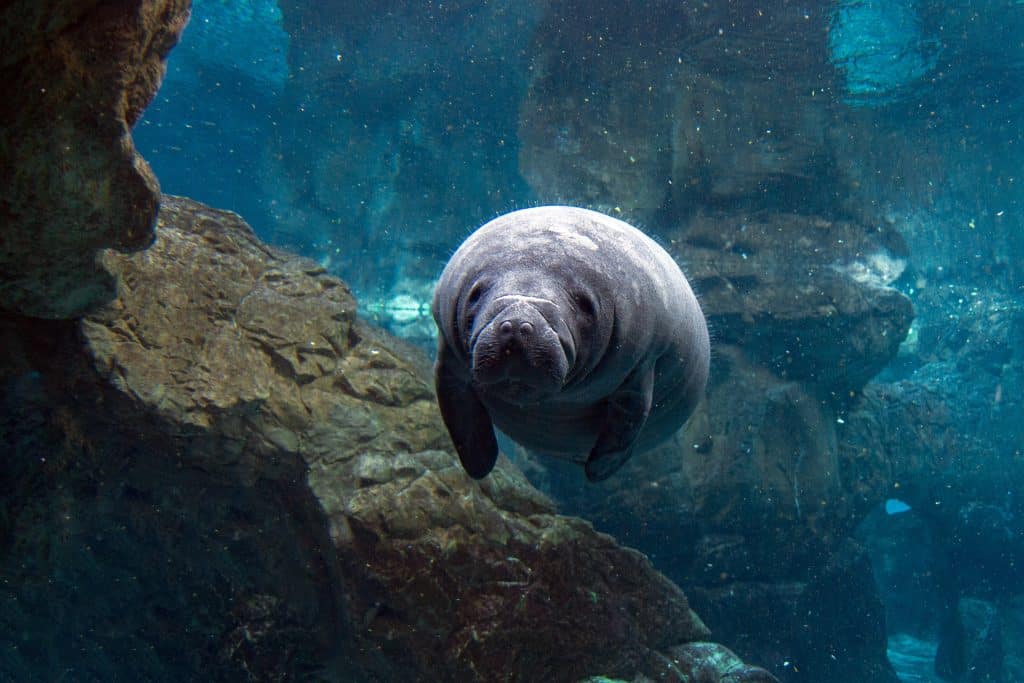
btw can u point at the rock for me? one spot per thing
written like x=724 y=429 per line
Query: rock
x=740 y=609
x=985 y=551
x=710 y=663
x=971 y=649
x=960 y=365
x=700 y=662
x=748 y=509
x=739 y=138
x=982 y=641
x=843 y=638
x=878 y=460
x=650 y=108
x=818 y=633
x=594 y=127
x=74 y=185
x=806 y=296
x=230 y=470
x=744 y=503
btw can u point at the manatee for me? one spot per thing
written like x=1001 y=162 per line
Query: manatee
x=572 y=332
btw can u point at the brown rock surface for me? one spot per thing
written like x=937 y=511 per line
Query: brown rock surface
x=77 y=76
x=264 y=474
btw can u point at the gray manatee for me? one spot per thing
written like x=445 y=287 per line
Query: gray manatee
x=572 y=332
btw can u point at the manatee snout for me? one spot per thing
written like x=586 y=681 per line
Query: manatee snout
x=518 y=350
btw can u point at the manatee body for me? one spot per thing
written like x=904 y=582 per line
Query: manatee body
x=572 y=332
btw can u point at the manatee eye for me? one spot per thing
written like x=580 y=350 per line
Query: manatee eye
x=475 y=294
x=584 y=303
x=469 y=308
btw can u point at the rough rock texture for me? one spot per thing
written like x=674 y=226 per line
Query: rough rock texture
x=224 y=471
x=76 y=76
x=712 y=663
x=805 y=296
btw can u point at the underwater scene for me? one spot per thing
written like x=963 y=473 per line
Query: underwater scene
x=512 y=340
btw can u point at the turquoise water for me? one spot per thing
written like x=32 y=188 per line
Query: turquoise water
x=373 y=137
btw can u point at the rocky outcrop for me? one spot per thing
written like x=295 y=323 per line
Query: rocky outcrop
x=818 y=634
x=226 y=471
x=77 y=75
x=807 y=297
x=903 y=550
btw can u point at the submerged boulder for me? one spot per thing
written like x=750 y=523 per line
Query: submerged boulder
x=77 y=77
x=229 y=471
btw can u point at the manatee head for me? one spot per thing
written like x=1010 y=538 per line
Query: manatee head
x=520 y=348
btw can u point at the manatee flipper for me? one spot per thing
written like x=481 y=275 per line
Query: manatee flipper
x=466 y=418
x=627 y=411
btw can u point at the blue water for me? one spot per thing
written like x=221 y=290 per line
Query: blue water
x=420 y=115
x=374 y=139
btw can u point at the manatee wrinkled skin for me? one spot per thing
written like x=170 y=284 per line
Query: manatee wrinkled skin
x=572 y=332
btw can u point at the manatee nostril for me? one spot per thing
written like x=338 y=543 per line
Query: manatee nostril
x=526 y=329
x=506 y=327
